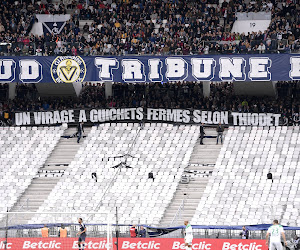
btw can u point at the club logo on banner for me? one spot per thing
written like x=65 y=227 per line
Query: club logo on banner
x=52 y=24
x=33 y=69
x=68 y=69
x=53 y=27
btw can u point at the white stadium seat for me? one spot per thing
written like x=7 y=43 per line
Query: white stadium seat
x=23 y=151
x=159 y=148
x=239 y=193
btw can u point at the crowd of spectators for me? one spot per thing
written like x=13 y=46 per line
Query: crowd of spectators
x=156 y=95
x=149 y=27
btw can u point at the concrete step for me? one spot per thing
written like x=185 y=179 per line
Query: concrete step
x=192 y=192
x=54 y=168
x=195 y=184
x=185 y=215
x=24 y=200
x=32 y=205
x=83 y=22
x=45 y=180
x=177 y=203
x=35 y=185
x=210 y=145
x=33 y=191
x=70 y=11
x=27 y=209
x=40 y=187
x=57 y=162
x=65 y=150
x=205 y=156
x=37 y=195
x=203 y=161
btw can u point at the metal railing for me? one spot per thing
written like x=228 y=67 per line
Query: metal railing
x=95 y=231
x=177 y=217
x=48 y=49
x=23 y=208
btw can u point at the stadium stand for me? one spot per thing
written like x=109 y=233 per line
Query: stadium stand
x=239 y=191
x=152 y=170
x=193 y=180
x=159 y=148
x=157 y=95
x=109 y=28
x=24 y=150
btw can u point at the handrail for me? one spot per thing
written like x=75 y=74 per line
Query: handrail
x=21 y=208
x=178 y=213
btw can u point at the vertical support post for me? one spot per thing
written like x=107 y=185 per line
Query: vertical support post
x=6 y=229
x=117 y=229
x=206 y=89
x=12 y=90
x=108 y=89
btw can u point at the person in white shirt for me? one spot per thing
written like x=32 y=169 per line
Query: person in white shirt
x=188 y=236
x=273 y=236
x=261 y=48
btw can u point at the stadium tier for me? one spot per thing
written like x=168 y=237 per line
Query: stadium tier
x=150 y=124
x=23 y=152
x=239 y=191
x=148 y=27
x=161 y=149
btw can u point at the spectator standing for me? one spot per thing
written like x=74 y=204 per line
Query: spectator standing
x=39 y=51
x=261 y=48
x=30 y=50
x=17 y=51
x=74 y=51
x=56 y=51
x=63 y=233
x=281 y=47
x=142 y=232
x=45 y=231
x=86 y=28
x=220 y=130
x=202 y=133
x=80 y=130
x=245 y=233
x=133 y=232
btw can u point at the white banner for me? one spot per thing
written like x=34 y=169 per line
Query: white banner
x=52 y=24
x=250 y=26
x=183 y=116
x=53 y=18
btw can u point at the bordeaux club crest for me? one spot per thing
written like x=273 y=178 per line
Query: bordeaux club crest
x=68 y=69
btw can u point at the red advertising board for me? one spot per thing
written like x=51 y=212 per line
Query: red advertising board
x=131 y=244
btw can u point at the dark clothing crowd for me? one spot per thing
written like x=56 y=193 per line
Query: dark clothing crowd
x=153 y=27
x=186 y=95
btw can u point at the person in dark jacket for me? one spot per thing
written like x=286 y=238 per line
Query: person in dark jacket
x=80 y=130
x=202 y=133
x=142 y=232
x=220 y=130
x=245 y=233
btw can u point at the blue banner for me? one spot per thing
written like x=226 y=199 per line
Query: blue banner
x=71 y=69
x=53 y=27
